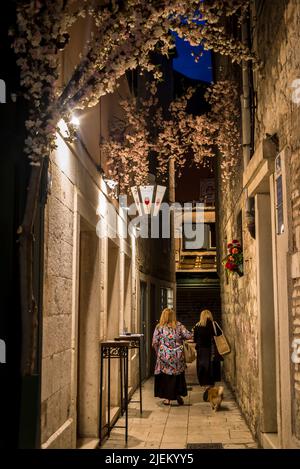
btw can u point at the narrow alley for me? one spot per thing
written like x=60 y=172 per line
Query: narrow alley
x=193 y=425
x=150 y=175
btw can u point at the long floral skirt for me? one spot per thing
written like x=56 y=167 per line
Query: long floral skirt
x=170 y=386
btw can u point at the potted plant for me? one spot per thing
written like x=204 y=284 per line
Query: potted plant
x=233 y=262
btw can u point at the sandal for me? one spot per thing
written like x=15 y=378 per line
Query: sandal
x=180 y=400
x=167 y=402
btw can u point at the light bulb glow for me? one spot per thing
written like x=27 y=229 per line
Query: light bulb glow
x=75 y=121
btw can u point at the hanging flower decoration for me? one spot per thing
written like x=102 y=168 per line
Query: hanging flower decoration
x=127 y=151
x=233 y=262
x=126 y=34
x=197 y=139
x=225 y=111
x=186 y=138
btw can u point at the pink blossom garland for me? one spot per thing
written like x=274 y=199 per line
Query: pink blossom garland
x=127 y=33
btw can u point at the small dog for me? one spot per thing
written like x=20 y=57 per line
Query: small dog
x=214 y=395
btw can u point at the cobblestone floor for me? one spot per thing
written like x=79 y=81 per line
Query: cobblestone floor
x=173 y=427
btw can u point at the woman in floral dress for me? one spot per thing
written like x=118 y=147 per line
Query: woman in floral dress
x=168 y=338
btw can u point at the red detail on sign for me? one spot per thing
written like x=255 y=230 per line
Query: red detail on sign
x=147 y=201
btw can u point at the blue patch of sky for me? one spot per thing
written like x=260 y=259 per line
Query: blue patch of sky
x=185 y=62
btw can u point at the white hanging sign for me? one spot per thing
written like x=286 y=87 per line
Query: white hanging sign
x=135 y=193
x=147 y=196
x=160 y=192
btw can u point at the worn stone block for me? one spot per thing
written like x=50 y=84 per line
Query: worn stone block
x=66 y=260
x=47 y=378
x=56 y=334
x=62 y=187
x=52 y=409
x=52 y=256
x=59 y=258
x=58 y=432
x=58 y=295
x=61 y=370
x=60 y=220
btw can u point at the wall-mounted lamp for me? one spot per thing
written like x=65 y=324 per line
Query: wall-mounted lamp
x=75 y=121
x=148 y=198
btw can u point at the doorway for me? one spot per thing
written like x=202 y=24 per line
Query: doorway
x=266 y=317
x=144 y=330
x=113 y=291
x=154 y=316
x=113 y=327
x=129 y=325
x=88 y=334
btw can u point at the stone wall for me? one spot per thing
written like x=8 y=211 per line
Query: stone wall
x=239 y=310
x=89 y=281
x=84 y=275
x=57 y=320
x=295 y=285
x=277 y=42
x=238 y=294
x=276 y=38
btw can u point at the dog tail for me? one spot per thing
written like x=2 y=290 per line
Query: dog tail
x=221 y=390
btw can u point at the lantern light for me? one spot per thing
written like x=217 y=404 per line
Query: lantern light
x=75 y=121
x=148 y=198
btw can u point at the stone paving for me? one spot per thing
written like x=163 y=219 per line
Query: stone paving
x=173 y=427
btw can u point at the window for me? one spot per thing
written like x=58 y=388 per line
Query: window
x=166 y=298
x=239 y=230
x=206 y=243
x=207 y=191
x=212 y=236
x=239 y=227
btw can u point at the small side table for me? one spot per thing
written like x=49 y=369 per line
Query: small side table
x=135 y=341
x=109 y=350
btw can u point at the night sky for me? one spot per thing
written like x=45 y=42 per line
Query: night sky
x=187 y=72
x=185 y=63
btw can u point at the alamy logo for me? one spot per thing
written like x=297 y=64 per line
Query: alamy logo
x=296 y=93
x=188 y=222
x=2 y=92
x=2 y=351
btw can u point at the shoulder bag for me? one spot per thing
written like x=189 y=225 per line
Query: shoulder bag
x=189 y=352
x=221 y=342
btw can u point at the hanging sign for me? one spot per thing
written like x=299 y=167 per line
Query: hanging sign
x=160 y=192
x=135 y=193
x=147 y=197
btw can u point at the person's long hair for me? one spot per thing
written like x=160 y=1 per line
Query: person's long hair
x=204 y=316
x=167 y=318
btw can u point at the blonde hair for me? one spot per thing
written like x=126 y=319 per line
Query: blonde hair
x=167 y=317
x=204 y=316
